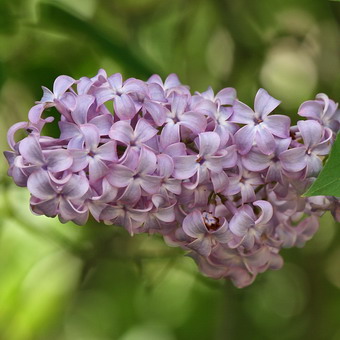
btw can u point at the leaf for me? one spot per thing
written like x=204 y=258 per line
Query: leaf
x=328 y=181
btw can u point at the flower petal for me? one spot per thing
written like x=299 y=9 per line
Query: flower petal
x=264 y=103
x=76 y=187
x=58 y=160
x=193 y=225
x=294 y=160
x=122 y=132
x=124 y=107
x=39 y=185
x=244 y=139
x=209 y=143
x=311 y=132
x=144 y=131
x=264 y=140
x=185 y=167
x=242 y=114
x=278 y=125
x=79 y=114
x=30 y=149
x=61 y=85
x=240 y=223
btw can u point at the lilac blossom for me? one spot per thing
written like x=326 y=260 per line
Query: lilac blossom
x=259 y=127
x=306 y=157
x=208 y=173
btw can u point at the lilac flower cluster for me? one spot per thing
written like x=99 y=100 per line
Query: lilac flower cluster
x=219 y=179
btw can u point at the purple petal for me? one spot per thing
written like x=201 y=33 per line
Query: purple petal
x=242 y=114
x=79 y=115
x=39 y=185
x=103 y=123
x=185 y=167
x=256 y=161
x=11 y=132
x=240 y=223
x=47 y=207
x=169 y=134
x=193 y=224
x=124 y=107
x=97 y=169
x=264 y=140
x=119 y=176
x=103 y=94
x=226 y=96
x=48 y=95
x=209 y=143
x=156 y=111
x=147 y=161
x=69 y=130
x=150 y=184
x=165 y=165
x=201 y=246
x=278 y=125
x=267 y=211
x=76 y=187
x=116 y=81
x=194 y=121
x=294 y=159
x=244 y=139
x=144 y=131
x=131 y=194
x=219 y=180
x=314 y=165
x=35 y=113
x=108 y=152
x=30 y=149
x=122 y=132
x=61 y=85
x=156 y=92
x=91 y=136
x=179 y=104
x=173 y=185
x=311 y=109
x=264 y=103
x=311 y=132
x=171 y=81
x=166 y=214
x=58 y=160
x=247 y=193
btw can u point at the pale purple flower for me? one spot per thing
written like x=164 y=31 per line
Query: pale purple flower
x=161 y=218
x=127 y=96
x=51 y=199
x=206 y=230
x=126 y=216
x=316 y=141
x=170 y=86
x=256 y=161
x=205 y=171
x=323 y=110
x=260 y=128
x=247 y=227
x=208 y=163
x=244 y=183
x=180 y=115
x=93 y=155
x=138 y=181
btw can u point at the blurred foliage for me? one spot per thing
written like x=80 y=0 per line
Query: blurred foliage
x=65 y=282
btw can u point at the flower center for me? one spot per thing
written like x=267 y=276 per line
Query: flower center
x=210 y=221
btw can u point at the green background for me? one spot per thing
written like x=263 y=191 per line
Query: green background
x=65 y=282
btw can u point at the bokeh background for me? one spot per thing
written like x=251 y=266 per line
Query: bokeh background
x=65 y=282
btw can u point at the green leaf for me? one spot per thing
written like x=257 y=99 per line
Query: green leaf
x=328 y=181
